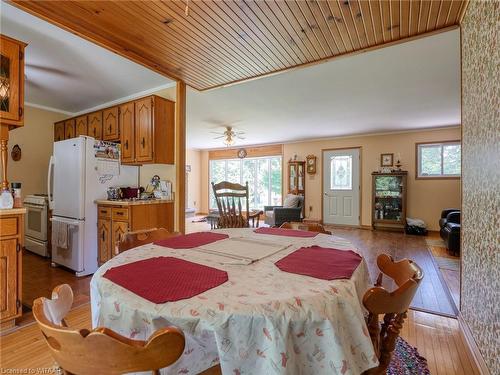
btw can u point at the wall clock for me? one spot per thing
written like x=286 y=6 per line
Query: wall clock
x=311 y=164
x=242 y=153
x=386 y=160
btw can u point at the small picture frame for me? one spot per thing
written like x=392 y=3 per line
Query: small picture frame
x=386 y=160
x=311 y=164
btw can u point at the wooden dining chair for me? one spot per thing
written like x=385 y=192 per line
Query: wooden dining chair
x=310 y=227
x=407 y=276
x=142 y=237
x=101 y=351
x=231 y=199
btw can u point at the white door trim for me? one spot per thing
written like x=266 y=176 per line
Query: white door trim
x=360 y=179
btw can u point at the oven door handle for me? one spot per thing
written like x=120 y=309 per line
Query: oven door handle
x=49 y=185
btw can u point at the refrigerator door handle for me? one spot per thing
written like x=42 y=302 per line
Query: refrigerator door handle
x=49 y=185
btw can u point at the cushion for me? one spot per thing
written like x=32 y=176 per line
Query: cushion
x=291 y=201
x=269 y=214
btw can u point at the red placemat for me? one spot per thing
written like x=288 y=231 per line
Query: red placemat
x=188 y=241
x=321 y=263
x=166 y=279
x=285 y=232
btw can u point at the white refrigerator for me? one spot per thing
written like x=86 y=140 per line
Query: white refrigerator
x=80 y=171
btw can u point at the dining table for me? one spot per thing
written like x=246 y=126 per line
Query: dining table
x=257 y=317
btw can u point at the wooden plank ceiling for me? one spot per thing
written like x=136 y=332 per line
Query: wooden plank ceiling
x=223 y=42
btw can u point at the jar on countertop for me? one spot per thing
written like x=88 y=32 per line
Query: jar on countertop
x=16 y=194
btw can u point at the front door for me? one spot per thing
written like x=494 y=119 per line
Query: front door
x=341 y=187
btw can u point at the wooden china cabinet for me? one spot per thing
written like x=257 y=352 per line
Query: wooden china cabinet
x=296 y=180
x=389 y=200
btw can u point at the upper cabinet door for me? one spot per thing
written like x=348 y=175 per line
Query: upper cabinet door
x=59 y=131
x=95 y=125
x=111 y=129
x=127 y=134
x=144 y=130
x=11 y=81
x=81 y=125
x=69 y=129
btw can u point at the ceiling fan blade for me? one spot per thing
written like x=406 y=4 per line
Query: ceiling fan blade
x=222 y=136
x=48 y=69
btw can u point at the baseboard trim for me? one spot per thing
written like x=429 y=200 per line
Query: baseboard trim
x=473 y=348
x=339 y=226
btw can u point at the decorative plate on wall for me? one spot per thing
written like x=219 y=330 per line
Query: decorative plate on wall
x=16 y=153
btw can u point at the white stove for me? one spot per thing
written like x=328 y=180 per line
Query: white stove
x=35 y=230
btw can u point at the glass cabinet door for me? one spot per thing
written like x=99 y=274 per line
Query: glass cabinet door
x=292 y=177
x=388 y=198
x=9 y=80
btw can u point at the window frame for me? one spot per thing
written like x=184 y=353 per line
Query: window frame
x=441 y=176
x=241 y=160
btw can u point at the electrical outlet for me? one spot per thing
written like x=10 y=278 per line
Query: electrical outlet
x=310 y=208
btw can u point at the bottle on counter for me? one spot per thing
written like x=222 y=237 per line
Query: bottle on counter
x=6 y=199
x=16 y=194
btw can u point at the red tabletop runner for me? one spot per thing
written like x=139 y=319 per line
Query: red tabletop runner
x=188 y=241
x=285 y=232
x=166 y=279
x=321 y=263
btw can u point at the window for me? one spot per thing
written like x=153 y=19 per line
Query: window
x=435 y=160
x=341 y=172
x=263 y=176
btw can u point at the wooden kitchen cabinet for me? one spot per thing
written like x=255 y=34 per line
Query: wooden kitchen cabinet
x=119 y=229
x=154 y=130
x=144 y=130
x=114 y=221
x=59 y=131
x=95 y=125
x=12 y=81
x=144 y=127
x=69 y=129
x=126 y=119
x=104 y=240
x=111 y=128
x=11 y=243
x=81 y=126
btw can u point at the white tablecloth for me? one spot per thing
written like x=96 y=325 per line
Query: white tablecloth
x=262 y=321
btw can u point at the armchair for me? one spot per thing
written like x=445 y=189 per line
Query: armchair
x=450 y=229
x=275 y=216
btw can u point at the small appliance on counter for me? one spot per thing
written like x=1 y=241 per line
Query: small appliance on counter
x=36 y=223
x=162 y=189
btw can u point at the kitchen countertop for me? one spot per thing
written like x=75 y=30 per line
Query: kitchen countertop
x=12 y=211
x=131 y=203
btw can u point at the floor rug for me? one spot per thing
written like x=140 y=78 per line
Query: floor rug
x=444 y=260
x=407 y=361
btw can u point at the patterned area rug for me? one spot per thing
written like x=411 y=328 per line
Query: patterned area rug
x=407 y=361
x=445 y=260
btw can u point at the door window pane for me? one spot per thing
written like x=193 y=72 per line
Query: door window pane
x=341 y=172
x=233 y=171
x=248 y=175
x=263 y=185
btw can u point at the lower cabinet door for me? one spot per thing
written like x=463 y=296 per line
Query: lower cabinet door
x=104 y=240
x=120 y=228
x=8 y=278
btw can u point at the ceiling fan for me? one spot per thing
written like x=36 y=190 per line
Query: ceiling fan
x=229 y=135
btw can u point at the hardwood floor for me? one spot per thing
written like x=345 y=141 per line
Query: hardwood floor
x=437 y=338
x=39 y=278
x=432 y=295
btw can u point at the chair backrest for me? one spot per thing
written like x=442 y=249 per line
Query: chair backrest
x=310 y=227
x=407 y=276
x=103 y=351
x=143 y=237
x=231 y=200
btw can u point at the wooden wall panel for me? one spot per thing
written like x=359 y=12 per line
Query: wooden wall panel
x=252 y=152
